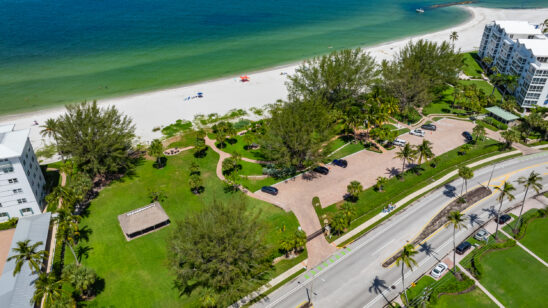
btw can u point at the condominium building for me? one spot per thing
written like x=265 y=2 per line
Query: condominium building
x=521 y=49
x=22 y=184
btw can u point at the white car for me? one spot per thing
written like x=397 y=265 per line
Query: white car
x=438 y=270
x=399 y=142
x=417 y=132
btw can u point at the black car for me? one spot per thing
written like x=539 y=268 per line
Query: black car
x=270 y=190
x=429 y=126
x=321 y=170
x=467 y=136
x=340 y=162
x=503 y=219
x=463 y=247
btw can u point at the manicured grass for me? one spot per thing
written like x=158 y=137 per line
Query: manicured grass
x=483 y=85
x=515 y=278
x=402 y=131
x=136 y=272
x=347 y=150
x=250 y=168
x=476 y=298
x=487 y=125
x=443 y=106
x=253 y=184
x=238 y=147
x=371 y=202
x=186 y=139
x=471 y=67
x=335 y=144
x=422 y=283
x=535 y=237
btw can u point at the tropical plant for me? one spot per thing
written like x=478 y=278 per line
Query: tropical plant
x=532 y=181
x=232 y=268
x=348 y=211
x=97 y=139
x=456 y=219
x=338 y=223
x=316 y=201
x=50 y=130
x=67 y=228
x=510 y=136
x=194 y=168
x=381 y=181
x=406 y=259
x=247 y=139
x=454 y=36
x=479 y=132
x=424 y=150
x=81 y=278
x=466 y=174
x=195 y=182
x=27 y=253
x=354 y=189
x=406 y=154
x=157 y=195
x=48 y=287
x=294 y=242
x=156 y=149
x=464 y=149
x=504 y=192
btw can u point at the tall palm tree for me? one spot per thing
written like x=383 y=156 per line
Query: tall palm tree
x=454 y=36
x=68 y=228
x=48 y=288
x=424 y=150
x=27 y=253
x=80 y=277
x=532 y=181
x=50 y=130
x=456 y=219
x=505 y=192
x=465 y=173
x=510 y=83
x=156 y=149
x=406 y=154
x=406 y=259
x=479 y=131
x=510 y=136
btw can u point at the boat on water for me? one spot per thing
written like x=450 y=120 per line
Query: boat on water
x=419 y=10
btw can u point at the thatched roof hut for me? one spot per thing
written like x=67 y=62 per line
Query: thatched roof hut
x=143 y=220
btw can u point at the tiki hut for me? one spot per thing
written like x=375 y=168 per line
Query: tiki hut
x=143 y=220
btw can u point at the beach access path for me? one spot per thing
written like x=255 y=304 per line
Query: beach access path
x=163 y=107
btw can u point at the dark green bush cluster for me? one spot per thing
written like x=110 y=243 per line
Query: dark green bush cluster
x=177 y=127
x=495 y=123
x=476 y=268
x=8 y=224
x=525 y=220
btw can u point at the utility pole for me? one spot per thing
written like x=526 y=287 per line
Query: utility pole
x=491 y=176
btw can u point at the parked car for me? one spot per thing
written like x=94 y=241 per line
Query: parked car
x=503 y=219
x=321 y=170
x=399 y=142
x=340 y=162
x=417 y=132
x=467 y=136
x=463 y=247
x=429 y=126
x=481 y=235
x=438 y=270
x=270 y=190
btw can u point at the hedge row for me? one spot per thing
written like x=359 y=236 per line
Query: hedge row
x=476 y=268
x=450 y=287
x=8 y=224
x=495 y=123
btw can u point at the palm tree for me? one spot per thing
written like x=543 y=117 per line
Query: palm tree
x=406 y=259
x=465 y=173
x=424 y=150
x=505 y=192
x=479 y=131
x=68 y=228
x=247 y=139
x=457 y=94
x=381 y=181
x=80 y=277
x=48 y=288
x=354 y=189
x=26 y=253
x=49 y=130
x=407 y=153
x=532 y=181
x=454 y=36
x=456 y=219
x=509 y=82
x=156 y=149
x=510 y=136
x=487 y=61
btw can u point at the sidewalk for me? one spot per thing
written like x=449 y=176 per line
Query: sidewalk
x=493 y=298
x=525 y=248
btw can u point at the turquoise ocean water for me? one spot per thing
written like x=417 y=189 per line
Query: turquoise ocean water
x=57 y=52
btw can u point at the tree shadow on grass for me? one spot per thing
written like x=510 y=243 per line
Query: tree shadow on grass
x=82 y=252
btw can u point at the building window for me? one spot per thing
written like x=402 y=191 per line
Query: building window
x=18 y=191
x=22 y=200
x=26 y=211
x=13 y=181
x=4 y=217
x=542 y=59
x=28 y=172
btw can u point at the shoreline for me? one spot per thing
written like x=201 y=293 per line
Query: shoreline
x=162 y=107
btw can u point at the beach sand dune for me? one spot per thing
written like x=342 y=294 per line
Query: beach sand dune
x=160 y=108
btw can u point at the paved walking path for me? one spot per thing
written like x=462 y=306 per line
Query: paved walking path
x=525 y=248
x=479 y=285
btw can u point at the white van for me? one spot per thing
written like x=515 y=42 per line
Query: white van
x=399 y=142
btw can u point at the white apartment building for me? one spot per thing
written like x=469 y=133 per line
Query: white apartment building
x=519 y=48
x=22 y=184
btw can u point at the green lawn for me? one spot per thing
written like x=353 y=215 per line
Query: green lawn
x=422 y=283
x=187 y=139
x=250 y=168
x=371 y=202
x=484 y=85
x=535 y=237
x=515 y=278
x=471 y=67
x=347 y=150
x=476 y=298
x=238 y=147
x=135 y=273
x=443 y=106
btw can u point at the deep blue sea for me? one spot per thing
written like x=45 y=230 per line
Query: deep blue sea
x=56 y=52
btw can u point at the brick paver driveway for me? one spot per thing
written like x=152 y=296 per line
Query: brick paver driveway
x=296 y=194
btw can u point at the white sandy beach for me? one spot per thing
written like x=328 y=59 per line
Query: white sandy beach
x=160 y=108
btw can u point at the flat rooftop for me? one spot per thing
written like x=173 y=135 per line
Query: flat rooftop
x=539 y=48
x=503 y=114
x=12 y=142
x=518 y=27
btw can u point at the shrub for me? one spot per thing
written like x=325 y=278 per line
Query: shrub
x=495 y=123
x=451 y=287
x=316 y=201
x=12 y=223
x=177 y=127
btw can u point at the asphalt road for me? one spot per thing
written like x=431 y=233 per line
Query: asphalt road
x=354 y=277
